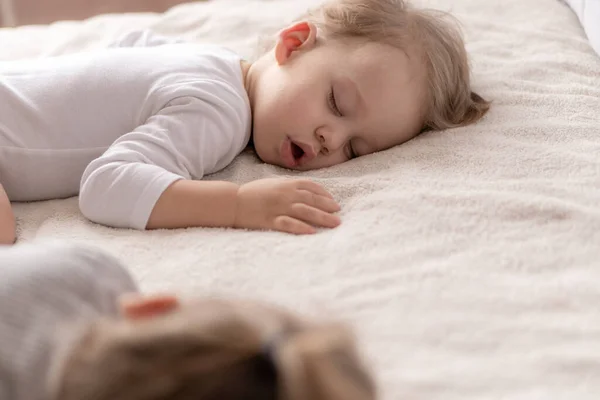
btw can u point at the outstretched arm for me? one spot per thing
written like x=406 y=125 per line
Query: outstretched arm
x=7 y=220
x=292 y=206
x=148 y=178
x=121 y=187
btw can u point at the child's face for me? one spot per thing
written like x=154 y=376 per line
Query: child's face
x=320 y=104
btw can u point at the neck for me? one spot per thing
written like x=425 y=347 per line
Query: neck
x=249 y=73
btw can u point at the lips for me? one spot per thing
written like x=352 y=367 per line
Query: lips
x=295 y=154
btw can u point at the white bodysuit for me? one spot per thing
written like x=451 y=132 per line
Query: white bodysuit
x=119 y=125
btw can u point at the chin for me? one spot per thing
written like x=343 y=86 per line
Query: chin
x=307 y=168
x=264 y=155
x=261 y=158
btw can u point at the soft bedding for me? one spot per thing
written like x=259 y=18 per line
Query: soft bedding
x=468 y=260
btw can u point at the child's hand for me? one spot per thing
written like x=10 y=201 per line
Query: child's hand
x=289 y=206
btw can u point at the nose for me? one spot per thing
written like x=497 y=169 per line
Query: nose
x=331 y=140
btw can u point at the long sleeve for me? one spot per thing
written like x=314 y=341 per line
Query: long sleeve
x=148 y=96
x=193 y=135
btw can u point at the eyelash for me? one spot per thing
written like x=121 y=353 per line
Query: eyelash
x=333 y=104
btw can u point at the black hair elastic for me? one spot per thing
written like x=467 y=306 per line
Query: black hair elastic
x=266 y=372
x=270 y=347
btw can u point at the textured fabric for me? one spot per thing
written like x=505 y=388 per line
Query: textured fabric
x=45 y=289
x=167 y=111
x=468 y=259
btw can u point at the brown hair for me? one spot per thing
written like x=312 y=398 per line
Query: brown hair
x=214 y=350
x=450 y=100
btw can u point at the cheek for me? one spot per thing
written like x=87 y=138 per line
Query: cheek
x=293 y=105
x=274 y=112
x=299 y=101
x=288 y=108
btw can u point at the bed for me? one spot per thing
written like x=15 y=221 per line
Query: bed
x=468 y=260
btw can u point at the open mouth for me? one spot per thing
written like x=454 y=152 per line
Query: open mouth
x=297 y=152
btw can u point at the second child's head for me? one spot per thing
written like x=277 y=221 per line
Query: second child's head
x=209 y=349
x=353 y=77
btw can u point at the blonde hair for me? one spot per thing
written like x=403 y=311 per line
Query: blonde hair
x=214 y=350
x=450 y=101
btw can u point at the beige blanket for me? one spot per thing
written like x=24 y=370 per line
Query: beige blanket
x=468 y=260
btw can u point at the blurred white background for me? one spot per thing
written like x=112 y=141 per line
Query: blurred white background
x=26 y=12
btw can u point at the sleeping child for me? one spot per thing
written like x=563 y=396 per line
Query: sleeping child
x=133 y=129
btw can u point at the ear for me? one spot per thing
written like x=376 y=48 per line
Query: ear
x=140 y=307
x=300 y=36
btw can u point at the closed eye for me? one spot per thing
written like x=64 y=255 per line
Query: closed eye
x=351 y=153
x=333 y=104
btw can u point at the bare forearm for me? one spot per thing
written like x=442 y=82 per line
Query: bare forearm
x=188 y=203
x=7 y=220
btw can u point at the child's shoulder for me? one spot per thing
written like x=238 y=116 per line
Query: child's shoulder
x=149 y=39
x=51 y=266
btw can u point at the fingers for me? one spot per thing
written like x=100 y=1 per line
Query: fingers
x=314 y=216
x=317 y=201
x=311 y=206
x=288 y=224
x=315 y=195
x=312 y=187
